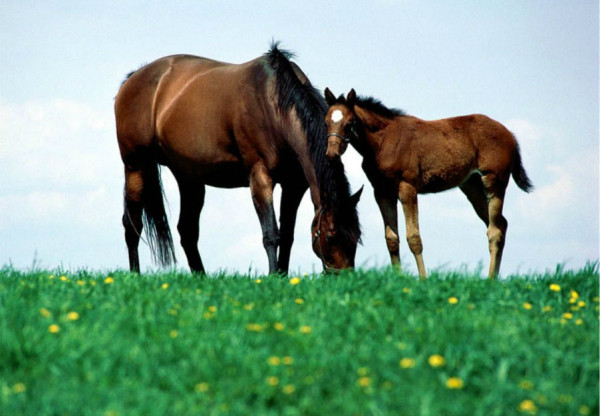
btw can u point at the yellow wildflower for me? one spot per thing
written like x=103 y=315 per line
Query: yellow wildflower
x=364 y=381
x=407 y=363
x=452 y=300
x=173 y=333
x=287 y=360
x=527 y=406
x=201 y=387
x=274 y=360
x=579 y=322
x=554 y=287
x=212 y=309
x=568 y=315
x=54 y=329
x=294 y=280
x=305 y=329
x=165 y=286
x=289 y=389
x=454 y=383
x=278 y=326
x=81 y=283
x=63 y=278
x=547 y=308
x=72 y=316
x=581 y=304
x=272 y=381
x=437 y=360
x=45 y=313
x=574 y=295
x=527 y=305
x=299 y=301
x=109 y=280
x=258 y=281
x=254 y=327
x=19 y=388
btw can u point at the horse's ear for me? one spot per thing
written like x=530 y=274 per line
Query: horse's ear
x=329 y=97
x=351 y=98
x=356 y=197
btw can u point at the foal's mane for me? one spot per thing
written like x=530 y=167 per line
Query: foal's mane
x=374 y=105
x=311 y=108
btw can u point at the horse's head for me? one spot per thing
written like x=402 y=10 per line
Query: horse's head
x=332 y=243
x=341 y=123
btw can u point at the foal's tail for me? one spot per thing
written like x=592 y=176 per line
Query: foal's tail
x=518 y=172
x=155 y=217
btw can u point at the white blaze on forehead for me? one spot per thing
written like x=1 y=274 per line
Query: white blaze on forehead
x=336 y=116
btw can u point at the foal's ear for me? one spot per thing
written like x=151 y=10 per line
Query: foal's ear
x=356 y=197
x=329 y=97
x=351 y=98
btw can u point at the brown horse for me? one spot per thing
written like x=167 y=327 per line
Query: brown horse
x=404 y=156
x=211 y=123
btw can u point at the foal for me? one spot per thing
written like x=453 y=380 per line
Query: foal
x=404 y=156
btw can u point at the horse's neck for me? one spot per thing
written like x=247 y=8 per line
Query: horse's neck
x=374 y=130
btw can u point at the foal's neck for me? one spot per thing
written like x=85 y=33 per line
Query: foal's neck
x=374 y=130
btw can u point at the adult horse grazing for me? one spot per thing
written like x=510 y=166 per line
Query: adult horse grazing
x=404 y=156
x=224 y=125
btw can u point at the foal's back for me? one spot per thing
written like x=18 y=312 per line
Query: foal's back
x=439 y=154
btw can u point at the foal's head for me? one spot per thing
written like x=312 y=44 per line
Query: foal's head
x=341 y=123
x=334 y=241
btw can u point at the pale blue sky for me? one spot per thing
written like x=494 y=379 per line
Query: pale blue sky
x=530 y=65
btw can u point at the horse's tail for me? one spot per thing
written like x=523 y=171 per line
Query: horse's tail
x=518 y=172
x=155 y=217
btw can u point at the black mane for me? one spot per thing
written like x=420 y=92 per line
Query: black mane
x=373 y=105
x=311 y=108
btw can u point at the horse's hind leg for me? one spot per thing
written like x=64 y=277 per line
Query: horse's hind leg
x=132 y=216
x=495 y=188
x=408 y=197
x=192 y=201
x=474 y=190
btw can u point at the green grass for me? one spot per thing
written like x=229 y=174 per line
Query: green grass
x=173 y=344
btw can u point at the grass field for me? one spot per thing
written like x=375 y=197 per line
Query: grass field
x=363 y=343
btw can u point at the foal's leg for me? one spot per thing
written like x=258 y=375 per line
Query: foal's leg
x=291 y=195
x=388 y=206
x=498 y=225
x=132 y=215
x=407 y=194
x=474 y=190
x=261 y=186
x=192 y=201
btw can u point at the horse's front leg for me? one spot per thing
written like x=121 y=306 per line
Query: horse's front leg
x=261 y=187
x=407 y=194
x=291 y=196
x=387 y=203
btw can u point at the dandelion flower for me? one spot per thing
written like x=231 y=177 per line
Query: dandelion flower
x=437 y=360
x=201 y=387
x=165 y=286
x=547 y=308
x=54 y=329
x=305 y=329
x=109 y=280
x=258 y=281
x=254 y=327
x=407 y=363
x=45 y=313
x=72 y=316
x=294 y=281
x=579 y=322
x=289 y=389
x=364 y=381
x=272 y=381
x=212 y=309
x=554 y=287
x=299 y=301
x=454 y=383
x=63 y=278
x=19 y=388
x=287 y=360
x=173 y=333
x=278 y=326
x=568 y=315
x=452 y=300
x=527 y=406
x=274 y=360
x=527 y=305
x=581 y=304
